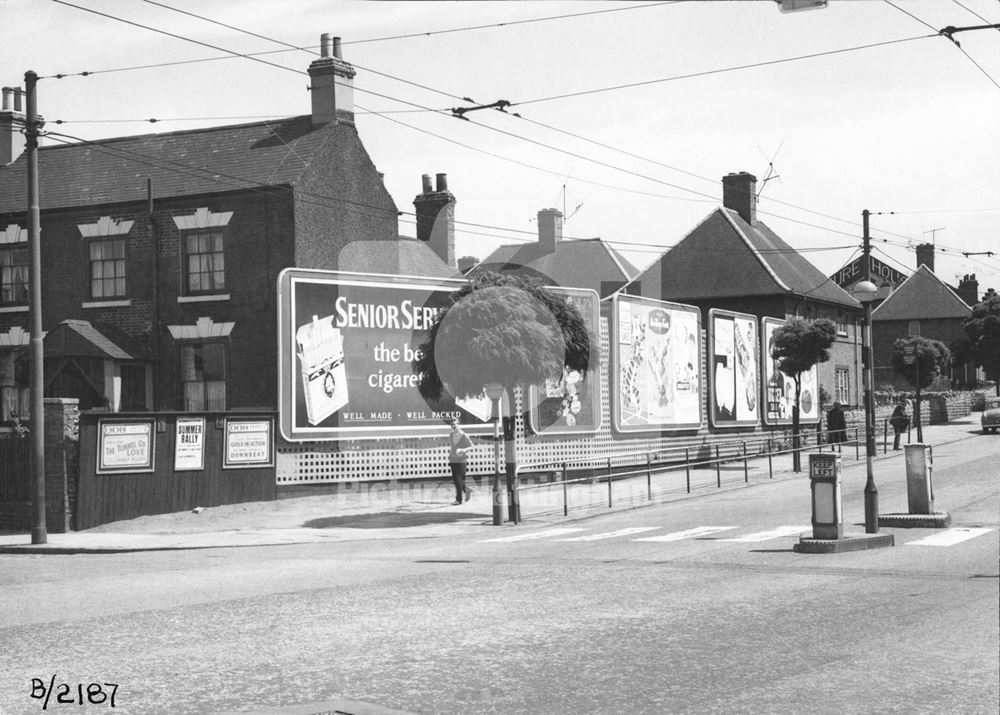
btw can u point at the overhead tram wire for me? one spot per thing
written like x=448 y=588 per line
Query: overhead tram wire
x=681 y=188
x=948 y=35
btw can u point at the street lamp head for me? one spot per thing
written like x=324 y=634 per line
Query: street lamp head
x=865 y=291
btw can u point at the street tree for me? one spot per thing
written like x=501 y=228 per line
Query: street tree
x=920 y=361
x=797 y=346
x=501 y=331
x=983 y=329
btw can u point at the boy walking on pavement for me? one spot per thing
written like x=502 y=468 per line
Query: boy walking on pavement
x=457 y=460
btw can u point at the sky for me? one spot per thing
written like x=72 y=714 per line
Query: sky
x=623 y=115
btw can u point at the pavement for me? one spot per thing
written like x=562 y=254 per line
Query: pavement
x=424 y=510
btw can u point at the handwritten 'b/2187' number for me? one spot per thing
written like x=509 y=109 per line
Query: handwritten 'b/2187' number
x=66 y=694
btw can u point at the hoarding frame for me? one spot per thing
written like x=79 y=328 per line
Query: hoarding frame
x=266 y=461
x=146 y=465
x=768 y=368
x=615 y=372
x=754 y=362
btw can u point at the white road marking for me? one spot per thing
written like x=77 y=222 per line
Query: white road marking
x=687 y=534
x=612 y=534
x=534 y=535
x=769 y=534
x=950 y=537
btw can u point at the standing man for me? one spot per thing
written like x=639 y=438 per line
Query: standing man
x=836 y=426
x=457 y=460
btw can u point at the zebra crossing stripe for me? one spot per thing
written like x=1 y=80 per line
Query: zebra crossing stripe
x=769 y=534
x=687 y=534
x=950 y=537
x=534 y=535
x=612 y=534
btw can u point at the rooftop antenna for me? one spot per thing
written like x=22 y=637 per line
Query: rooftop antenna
x=770 y=168
x=933 y=233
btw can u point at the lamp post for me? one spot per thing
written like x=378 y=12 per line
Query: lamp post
x=865 y=291
x=494 y=391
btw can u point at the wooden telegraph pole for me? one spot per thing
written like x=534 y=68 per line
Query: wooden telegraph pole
x=39 y=533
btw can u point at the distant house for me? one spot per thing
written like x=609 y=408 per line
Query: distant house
x=733 y=261
x=922 y=305
x=572 y=263
x=161 y=252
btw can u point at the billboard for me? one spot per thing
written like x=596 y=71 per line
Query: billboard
x=779 y=388
x=572 y=404
x=733 y=357
x=656 y=365
x=346 y=342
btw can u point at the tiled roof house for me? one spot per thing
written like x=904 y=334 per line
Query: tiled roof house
x=572 y=263
x=175 y=241
x=733 y=261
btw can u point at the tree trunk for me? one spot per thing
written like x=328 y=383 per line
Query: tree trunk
x=510 y=461
x=796 y=455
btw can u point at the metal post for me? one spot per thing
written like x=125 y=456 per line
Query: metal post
x=885 y=437
x=649 y=477
x=39 y=531
x=770 y=466
x=718 y=468
x=857 y=444
x=609 y=482
x=565 y=491
x=746 y=466
x=687 y=467
x=871 y=493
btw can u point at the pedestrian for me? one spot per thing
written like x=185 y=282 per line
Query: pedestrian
x=457 y=459
x=836 y=426
x=900 y=422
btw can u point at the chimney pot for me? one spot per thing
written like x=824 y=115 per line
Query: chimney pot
x=324 y=45
x=436 y=218
x=8 y=94
x=336 y=48
x=442 y=182
x=17 y=98
x=426 y=181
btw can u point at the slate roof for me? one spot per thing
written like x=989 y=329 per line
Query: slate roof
x=922 y=296
x=725 y=257
x=406 y=257
x=184 y=163
x=576 y=263
x=78 y=338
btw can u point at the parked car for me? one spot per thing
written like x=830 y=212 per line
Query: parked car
x=991 y=415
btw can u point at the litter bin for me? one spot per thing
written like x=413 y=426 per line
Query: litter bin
x=919 y=471
x=827 y=509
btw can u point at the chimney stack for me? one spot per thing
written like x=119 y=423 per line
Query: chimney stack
x=739 y=193
x=11 y=124
x=331 y=84
x=968 y=289
x=467 y=263
x=925 y=256
x=550 y=228
x=436 y=218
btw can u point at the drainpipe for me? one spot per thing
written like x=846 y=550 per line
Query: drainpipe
x=154 y=239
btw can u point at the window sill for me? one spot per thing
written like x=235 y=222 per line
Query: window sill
x=118 y=303
x=203 y=298
x=15 y=309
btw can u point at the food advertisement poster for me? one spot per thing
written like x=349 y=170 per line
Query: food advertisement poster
x=189 y=444
x=125 y=446
x=656 y=361
x=572 y=404
x=346 y=345
x=733 y=357
x=779 y=388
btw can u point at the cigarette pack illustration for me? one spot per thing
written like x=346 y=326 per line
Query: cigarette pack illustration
x=320 y=348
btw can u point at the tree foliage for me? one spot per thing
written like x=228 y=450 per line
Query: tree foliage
x=930 y=359
x=501 y=328
x=983 y=329
x=799 y=344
